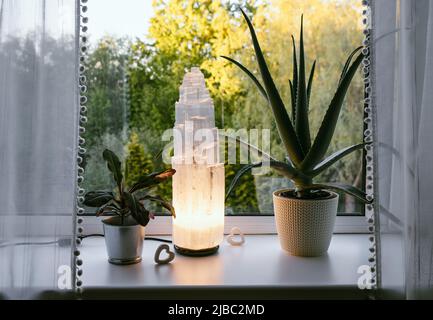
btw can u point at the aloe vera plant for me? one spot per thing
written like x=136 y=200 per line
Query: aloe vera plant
x=305 y=158
x=128 y=201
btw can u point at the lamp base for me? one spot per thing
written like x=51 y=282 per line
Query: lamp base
x=196 y=253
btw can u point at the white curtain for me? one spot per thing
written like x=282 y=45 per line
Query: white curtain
x=38 y=138
x=403 y=75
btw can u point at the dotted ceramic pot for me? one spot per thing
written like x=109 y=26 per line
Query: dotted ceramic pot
x=305 y=227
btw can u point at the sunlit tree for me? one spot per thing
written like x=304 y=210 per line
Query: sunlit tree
x=187 y=33
x=332 y=29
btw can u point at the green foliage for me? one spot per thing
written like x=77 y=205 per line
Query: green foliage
x=164 y=189
x=156 y=66
x=297 y=141
x=98 y=198
x=106 y=76
x=96 y=177
x=243 y=198
x=137 y=160
x=153 y=93
x=284 y=125
x=157 y=69
x=184 y=34
x=128 y=201
x=329 y=123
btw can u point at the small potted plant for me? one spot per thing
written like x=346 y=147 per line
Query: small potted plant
x=305 y=215
x=124 y=230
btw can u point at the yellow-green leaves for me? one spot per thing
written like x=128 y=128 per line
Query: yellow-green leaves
x=249 y=74
x=305 y=160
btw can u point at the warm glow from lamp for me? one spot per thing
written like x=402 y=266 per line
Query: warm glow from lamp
x=198 y=185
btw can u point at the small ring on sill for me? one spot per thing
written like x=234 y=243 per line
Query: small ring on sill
x=236 y=231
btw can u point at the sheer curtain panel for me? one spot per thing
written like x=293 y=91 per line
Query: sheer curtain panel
x=403 y=60
x=38 y=138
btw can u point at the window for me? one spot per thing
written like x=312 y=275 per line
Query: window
x=138 y=56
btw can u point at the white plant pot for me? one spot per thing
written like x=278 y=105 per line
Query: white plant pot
x=305 y=227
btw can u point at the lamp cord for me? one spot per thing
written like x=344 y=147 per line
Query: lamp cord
x=64 y=242
x=145 y=238
x=6 y=244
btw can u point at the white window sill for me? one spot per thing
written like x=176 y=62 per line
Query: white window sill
x=248 y=224
x=259 y=263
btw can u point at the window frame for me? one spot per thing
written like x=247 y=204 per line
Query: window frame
x=248 y=224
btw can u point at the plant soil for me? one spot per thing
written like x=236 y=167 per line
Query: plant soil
x=312 y=195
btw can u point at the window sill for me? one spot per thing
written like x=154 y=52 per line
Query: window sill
x=259 y=264
x=248 y=224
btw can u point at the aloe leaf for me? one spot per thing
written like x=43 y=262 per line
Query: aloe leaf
x=329 y=161
x=346 y=188
x=239 y=174
x=302 y=125
x=310 y=82
x=97 y=198
x=260 y=152
x=283 y=168
x=288 y=171
x=294 y=84
x=327 y=128
x=167 y=205
x=114 y=165
x=249 y=74
x=293 y=98
x=284 y=125
x=347 y=64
